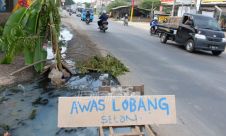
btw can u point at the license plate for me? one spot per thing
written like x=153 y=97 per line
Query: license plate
x=213 y=47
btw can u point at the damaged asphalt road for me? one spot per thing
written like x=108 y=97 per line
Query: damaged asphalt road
x=197 y=79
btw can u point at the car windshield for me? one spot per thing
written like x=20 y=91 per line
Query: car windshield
x=206 y=23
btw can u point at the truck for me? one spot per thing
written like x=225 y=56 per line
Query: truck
x=194 y=32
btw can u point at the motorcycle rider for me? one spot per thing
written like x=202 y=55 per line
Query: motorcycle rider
x=87 y=14
x=154 y=23
x=103 y=18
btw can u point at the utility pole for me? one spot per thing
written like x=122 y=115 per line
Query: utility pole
x=152 y=8
x=132 y=9
x=174 y=3
x=198 y=5
x=91 y=4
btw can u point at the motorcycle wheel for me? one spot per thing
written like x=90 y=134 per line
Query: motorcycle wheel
x=152 y=31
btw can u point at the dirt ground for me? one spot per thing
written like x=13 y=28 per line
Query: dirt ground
x=7 y=69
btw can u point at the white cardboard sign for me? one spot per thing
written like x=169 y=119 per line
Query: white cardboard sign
x=116 y=110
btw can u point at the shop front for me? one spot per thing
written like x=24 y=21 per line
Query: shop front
x=216 y=9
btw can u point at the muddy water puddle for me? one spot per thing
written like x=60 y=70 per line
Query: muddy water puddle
x=65 y=36
x=31 y=109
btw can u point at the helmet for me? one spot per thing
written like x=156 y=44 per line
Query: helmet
x=104 y=11
x=126 y=15
x=155 y=18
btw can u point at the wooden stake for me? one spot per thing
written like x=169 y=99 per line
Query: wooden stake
x=23 y=68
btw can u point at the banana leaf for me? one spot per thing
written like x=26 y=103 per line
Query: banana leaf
x=32 y=23
x=13 y=20
x=40 y=54
x=28 y=55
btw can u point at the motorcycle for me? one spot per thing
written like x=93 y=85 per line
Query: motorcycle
x=87 y=21
x=104 y=26
x=154 y=30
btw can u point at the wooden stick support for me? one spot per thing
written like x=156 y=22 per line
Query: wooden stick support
x=101 y=131
x=149 y=131
x=111 y=131
x=136 y=131
x=138 y=89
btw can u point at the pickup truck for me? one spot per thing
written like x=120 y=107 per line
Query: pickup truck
x=195 y=32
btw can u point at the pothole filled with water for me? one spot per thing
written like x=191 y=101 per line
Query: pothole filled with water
x=31 y=109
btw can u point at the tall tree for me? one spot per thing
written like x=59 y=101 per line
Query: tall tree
x=69 y=2
x=147 y=4
x=116 y=3
x=88 y=5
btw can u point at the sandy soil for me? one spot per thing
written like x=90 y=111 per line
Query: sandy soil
x=6 y=69
x=81 y=47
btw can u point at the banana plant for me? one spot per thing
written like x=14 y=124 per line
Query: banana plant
x=28 y=29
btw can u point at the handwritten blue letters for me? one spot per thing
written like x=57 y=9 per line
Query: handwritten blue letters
x=131 y=105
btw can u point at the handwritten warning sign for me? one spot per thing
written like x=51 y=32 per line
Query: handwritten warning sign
x=116 y=111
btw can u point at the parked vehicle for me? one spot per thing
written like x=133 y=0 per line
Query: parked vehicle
x=73 y=11
x=83 y=14
x=195 y=32
x=78 y=14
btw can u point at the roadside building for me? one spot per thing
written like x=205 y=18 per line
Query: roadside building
x=140 y=14
x=216 y=9
x=180 y=6
x=212 y=8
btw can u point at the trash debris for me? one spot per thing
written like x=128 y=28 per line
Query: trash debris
x=56 y=77
x=40 y=101
x=33 y=114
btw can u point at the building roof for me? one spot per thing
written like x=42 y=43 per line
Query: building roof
x=119 y=7
x=128 y=6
